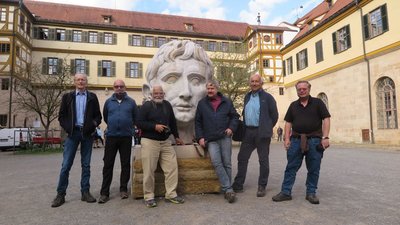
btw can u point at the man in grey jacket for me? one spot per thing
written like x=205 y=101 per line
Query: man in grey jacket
x=119 y=113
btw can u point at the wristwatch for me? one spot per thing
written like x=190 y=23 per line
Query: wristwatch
x=325 y=138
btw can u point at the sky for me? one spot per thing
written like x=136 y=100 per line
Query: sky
x=272 y=12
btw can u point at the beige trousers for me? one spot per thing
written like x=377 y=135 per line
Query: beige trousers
x=152 y=152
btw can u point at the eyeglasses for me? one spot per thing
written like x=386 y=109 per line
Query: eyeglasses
x=119 y=86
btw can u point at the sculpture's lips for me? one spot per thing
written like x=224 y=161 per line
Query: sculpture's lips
x=184 y=108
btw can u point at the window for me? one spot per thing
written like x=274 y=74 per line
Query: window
x=289 y=65
x=60 y=35
x=375 y=22
x=341 y=39
x=386 y=104
x=265 y=63
x=301 y=59
x=149 y=41
x=108 y=38
x=44 y=33
x=80 y=66
x=77 y=36
x=200 y=42
x=134 y=70
x=319 y=51
x=22 y=22
x=3 y=120
x=161 y=41
x=5 y=84
x=136 y=40
x=28 y=28
x=212 y=46
x=92 y=37
x=106 y=68
x=4 y=48
x=224 y=46
x=189 y=26
x=52 y=65
x=18 y=51
x=3 y=14
x=278 y=39
x=324 y=99
x=281 y=91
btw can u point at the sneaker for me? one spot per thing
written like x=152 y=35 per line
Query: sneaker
x=58 y=201
x=261 y=191
x=230 y=196
x=150 y=203
x=123 y=194
x=175 y=200
x=312 y=198
x=87 y=197
x=281 y=197
x=103 y=199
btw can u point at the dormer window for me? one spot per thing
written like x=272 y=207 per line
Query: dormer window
x=107 y=18
x=189 y=26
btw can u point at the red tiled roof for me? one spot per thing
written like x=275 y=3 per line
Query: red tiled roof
x=140 y=21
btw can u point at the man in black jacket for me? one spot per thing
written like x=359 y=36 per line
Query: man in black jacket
x=157 y=121
x=79 y=116
x=260 y=115
x=215 y=121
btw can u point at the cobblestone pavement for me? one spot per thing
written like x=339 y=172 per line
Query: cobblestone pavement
x=358 y=185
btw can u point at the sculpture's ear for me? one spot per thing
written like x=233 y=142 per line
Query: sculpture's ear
x=146 y=90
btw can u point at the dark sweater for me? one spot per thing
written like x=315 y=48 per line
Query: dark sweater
x=151 y=114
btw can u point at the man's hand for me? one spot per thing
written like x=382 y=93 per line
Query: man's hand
x=202 y=142
x=286 y=144
x=325 y=143
x=160 y=128
x=179 y=141
x=228 y=132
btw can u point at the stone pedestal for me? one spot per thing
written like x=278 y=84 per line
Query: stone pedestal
x=195 y=171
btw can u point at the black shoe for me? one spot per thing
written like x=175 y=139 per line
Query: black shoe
x=58 y=201
x=124 y=195
x=312 y=198
x=103 y=199
x=261 y=191
x=236 y=188
x=281 y=197
x=230 y=196
x=87 y=197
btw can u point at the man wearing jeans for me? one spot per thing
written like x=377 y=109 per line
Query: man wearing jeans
x=79 y=116
x=306 y=135
x=215 y=121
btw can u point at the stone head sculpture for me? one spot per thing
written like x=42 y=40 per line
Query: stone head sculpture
x=182 y=68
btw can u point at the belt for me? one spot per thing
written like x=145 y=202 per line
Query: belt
x=308 y=137
x=251 y=127
x=78 y=128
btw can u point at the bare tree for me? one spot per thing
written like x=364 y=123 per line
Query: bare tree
x=41 y=93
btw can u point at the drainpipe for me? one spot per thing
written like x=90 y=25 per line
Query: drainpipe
x=368 y=73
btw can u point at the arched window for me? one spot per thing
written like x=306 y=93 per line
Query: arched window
x=324 y=98
x=386 y=104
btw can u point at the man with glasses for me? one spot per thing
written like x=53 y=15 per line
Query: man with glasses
x=119 y=113
x=79 y=116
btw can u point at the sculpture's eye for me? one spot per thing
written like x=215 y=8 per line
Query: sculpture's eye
x=196 y=79
x=170 y=79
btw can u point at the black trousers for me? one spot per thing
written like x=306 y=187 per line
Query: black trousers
x=123 y=145
x=249 y=143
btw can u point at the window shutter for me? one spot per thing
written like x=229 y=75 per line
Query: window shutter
x=205 y=45
x=114 y=39
x=334 y=42
x=113 y=69
x=68 y=35
x=127 y=69
x=140 y=70
x=142 y=41
x=284 y=68
x=52 y=34
x=385 y=26
x=72 y=66
x=348 y=39
x=99 y=69
x=297 y=61
x=130 y=39
x=291 y=65
x=366 y=26
x=100 y=40
x=87 y=66
x=156 y=42
x=59 y=66
x=85 y=37
x=36 y=32
x=44 y=66
x=305 y=58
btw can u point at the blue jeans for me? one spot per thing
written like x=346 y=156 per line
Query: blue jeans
x=220 y=153
x=295 y=159
x=70 y=148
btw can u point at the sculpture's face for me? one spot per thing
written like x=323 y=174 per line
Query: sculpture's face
x=183 y=82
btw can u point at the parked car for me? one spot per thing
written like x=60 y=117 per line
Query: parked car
x=15 y=137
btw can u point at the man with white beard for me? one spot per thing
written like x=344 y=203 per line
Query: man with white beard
x=157 y=121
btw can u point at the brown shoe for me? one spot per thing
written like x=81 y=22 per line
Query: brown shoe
x=58 y=201
x=312 y=198
x=261 y=191
x=281 y=197
x=87 y=197
x=124 y=195
x=230 y=196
